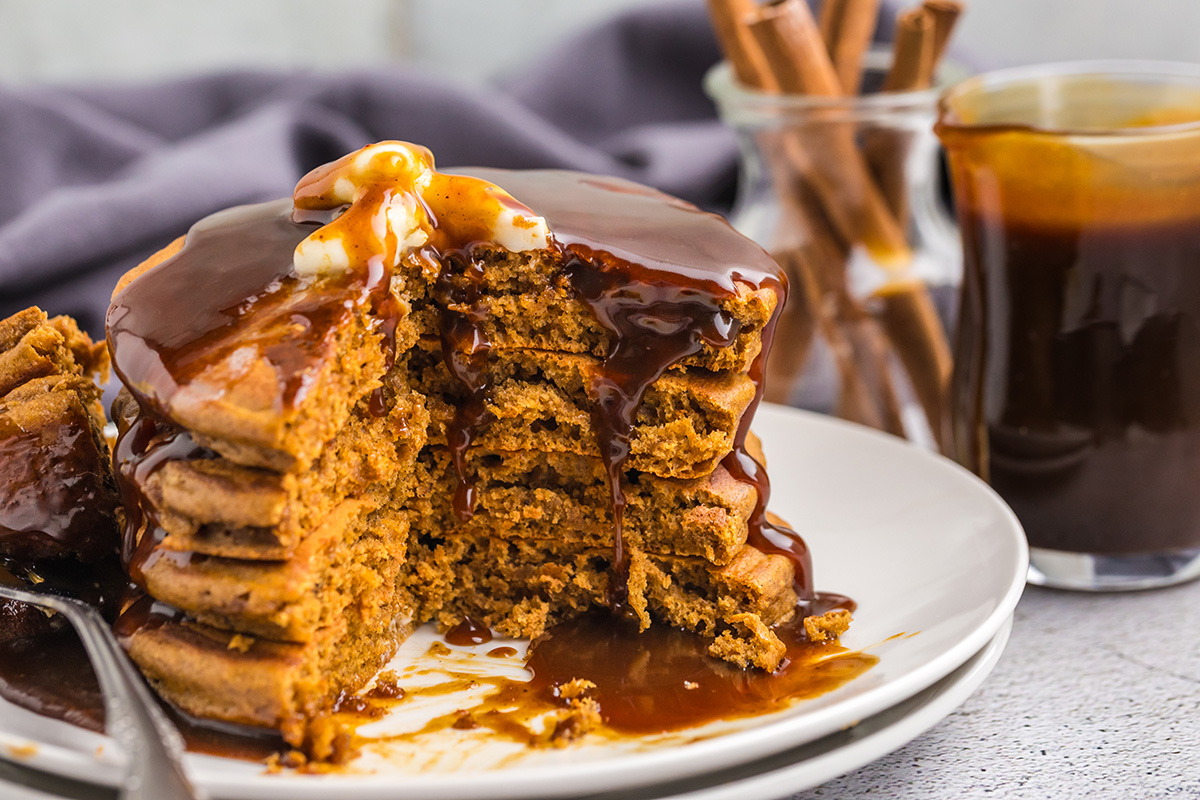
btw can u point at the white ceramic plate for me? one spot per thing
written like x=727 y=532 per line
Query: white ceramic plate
x=922 y=546
x=776 y=776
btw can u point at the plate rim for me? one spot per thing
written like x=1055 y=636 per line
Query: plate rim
x=626 y=771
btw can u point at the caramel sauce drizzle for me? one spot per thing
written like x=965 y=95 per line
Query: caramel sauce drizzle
x=465 y=350
x=764 y=534
x=144 y=444
x=468 y=632
x=679 y=688
x=653 y=328
x=167 y=347
x=51 y=495
x=603 y=657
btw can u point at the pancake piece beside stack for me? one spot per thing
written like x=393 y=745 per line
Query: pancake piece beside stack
x=409 y=396
x=58 y=501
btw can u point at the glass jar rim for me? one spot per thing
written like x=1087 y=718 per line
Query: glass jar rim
x=1116 y=70
x=728 y=92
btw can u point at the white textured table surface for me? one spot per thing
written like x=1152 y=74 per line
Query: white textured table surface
x=1096 y=697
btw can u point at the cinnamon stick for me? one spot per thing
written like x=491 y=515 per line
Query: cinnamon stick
x=857 y=399
x=913 y=62
x=797 y=328
x=906 y=311
x=825 y=158
x=795 y=331
x=912 y=323
x=819 y=302
x=821 y=165
x=920 y=41
x=945 y=16
x=814 y=261
x=738 y=45
x=846 y=28
x=912 y=52
x=873 y=350
x=794 y=49
x=796 y=55
x=798 y=322
x=867 y=393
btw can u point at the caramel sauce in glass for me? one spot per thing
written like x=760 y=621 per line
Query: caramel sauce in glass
x=1076 y=390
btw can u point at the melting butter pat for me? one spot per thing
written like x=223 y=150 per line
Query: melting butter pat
x=396 y=202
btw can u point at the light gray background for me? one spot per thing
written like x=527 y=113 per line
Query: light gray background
x=88 y=40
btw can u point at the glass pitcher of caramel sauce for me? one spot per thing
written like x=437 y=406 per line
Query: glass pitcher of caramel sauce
x=1076 y=383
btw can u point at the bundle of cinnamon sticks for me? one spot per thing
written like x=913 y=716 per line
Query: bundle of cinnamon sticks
x=843 y=187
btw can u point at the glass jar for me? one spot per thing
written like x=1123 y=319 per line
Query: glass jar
x=1076 y=389
x=845 y=194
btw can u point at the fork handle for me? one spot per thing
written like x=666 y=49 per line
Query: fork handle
x=152 y=744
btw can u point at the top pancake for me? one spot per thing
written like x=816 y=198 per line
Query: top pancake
x=219 y=336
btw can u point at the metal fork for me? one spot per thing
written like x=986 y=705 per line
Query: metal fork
x=132 y=715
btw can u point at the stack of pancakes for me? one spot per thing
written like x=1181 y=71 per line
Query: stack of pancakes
x=296 y=503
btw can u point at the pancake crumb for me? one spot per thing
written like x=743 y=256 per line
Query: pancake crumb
x=750 y=642
x=827 y=627
x=241 y=643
